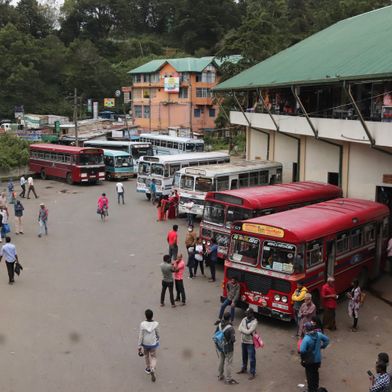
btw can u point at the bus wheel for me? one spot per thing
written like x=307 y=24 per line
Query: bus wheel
x=108 y=176
x=69 y=179
x=43 y=174
x=363 y=278
x=148 y=195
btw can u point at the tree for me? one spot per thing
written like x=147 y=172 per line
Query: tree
x=14 y=152
x=33 y=18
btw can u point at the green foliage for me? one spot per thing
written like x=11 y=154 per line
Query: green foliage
x=14 y=151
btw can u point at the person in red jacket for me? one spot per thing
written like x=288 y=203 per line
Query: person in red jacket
x=329 y=297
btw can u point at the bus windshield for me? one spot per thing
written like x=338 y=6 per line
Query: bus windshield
x=237 y=213
x=144 y=168
x=90 y=159
x=244 y=249
x=203 y=184
x=157 y=169
x=187 y=182
x=123 y=162
x=214 y=213
x=138 y=152
x=280 y=256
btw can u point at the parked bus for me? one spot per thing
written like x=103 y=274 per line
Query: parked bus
x=118 y=164
x=134 y=149
x=166 y=145
x=162 y=168
x=221 y=209
x=74 y=164
x=194 y=183
x=344 y=238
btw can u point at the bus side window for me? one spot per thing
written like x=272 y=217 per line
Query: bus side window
x=175 y=145
x=253 y=178
x=263 y=177
x=174 y=169
x=244 y=180
x=269 y=211
x=370 y=233
x=222 y=183
x=342 y=243
x=314 y=253
x=356 y=238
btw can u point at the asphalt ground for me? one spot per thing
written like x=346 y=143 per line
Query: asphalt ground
x=70 y=322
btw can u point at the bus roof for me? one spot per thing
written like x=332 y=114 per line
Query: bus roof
x=268 y=196
x=229 y=168
x=62 y=148
x=109 y=143
x=185 y=157
x=115 y=153
x=172 y=138
x=319 y=220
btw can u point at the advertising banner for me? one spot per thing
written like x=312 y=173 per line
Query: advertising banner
x=172 y=84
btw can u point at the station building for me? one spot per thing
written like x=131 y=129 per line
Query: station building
x=323 y=107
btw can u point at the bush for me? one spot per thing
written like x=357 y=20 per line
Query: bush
x=14 y=152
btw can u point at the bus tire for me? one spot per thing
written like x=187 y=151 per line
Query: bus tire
x=363 y=278
x=148 y=195
x=43 y=174
x=68 y=179
x=108 y=176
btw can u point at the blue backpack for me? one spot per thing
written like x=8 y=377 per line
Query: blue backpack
x=219 y=339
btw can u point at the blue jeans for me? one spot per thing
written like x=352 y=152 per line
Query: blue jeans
x=248 y=350
x=226 y=302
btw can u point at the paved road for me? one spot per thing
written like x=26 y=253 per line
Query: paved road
x=70 y=322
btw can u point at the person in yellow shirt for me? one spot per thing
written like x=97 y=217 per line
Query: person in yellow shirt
x=297 y=299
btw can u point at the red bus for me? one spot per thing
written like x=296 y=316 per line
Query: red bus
x=221 y=209
x=344 y=238
x=75 y=164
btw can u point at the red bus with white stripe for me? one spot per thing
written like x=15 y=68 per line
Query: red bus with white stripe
x=344 y=238
x=222 y=208
x=74 y=164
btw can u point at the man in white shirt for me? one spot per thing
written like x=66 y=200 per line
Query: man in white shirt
x=120 y=192
x=23 y=186
x=9 y=252
x=30 y=183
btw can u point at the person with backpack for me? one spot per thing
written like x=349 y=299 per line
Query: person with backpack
x=310 y=350
x=149 y=342
x=224 y=339
x=248 y=328
x=354 y=303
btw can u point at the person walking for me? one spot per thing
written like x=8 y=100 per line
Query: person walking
x=232 y=296
x=173 y=205
x=3 y=200
x=199 y=256
x=381 y=382
x=5 y=228
x=9 y=252
x=172 y=240
x=18 y=210
x=179 y=267
x=248 y=328
x=306 y=312
x=148 y=342
x=22 y=182
x=191 y=262
x=310 y=349
x=190 y=242
x=212 y=258
x=120 y=192
x=297 y=299
x=103 y=206
x=190 y=238
x=226 y=355
x=30 y=187
x=43 y=214
x=354 y=297
x=329 y=297
x=167 y=280
x=389 y=255
x=10 y=189
x=153 y=190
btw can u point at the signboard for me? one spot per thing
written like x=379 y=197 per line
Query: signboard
x=109 y=102
x=95 y=110
x=117 y=93
x=89 y=105
x=263 y=229
x=57 y=126
x=172 y=84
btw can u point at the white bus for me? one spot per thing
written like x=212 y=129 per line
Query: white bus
x=194 y=183
x=166 y=145
x=134 y=149
x=163 y=168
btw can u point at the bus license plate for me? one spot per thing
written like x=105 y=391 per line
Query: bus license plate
x=255 y=308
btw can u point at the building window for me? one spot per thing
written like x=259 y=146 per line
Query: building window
x=212 y=112
x=146 y=78
x=146 y=111
x=137 y=78
x=137 y=109
x=154 y=78
x=203 y=92
x=137 y=93
x=183 y=92
x=198 y=77
x=153 y=92
x=208 y=77
x=146 y=93
x=197 y=112
x=184 y=77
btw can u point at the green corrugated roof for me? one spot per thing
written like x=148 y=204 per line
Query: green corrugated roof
x=356 y=48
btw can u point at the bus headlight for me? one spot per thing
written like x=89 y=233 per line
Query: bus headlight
x=83 y=174
x=277 y=297
x=284 y=299
x=101 y=174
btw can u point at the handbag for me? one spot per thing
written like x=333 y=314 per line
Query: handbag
x=18 y=268
x=257 y=341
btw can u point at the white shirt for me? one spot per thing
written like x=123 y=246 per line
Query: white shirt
x=120 y=187
x=22 y=180
x=30 y=181
x=9 y=252
x=5 y=216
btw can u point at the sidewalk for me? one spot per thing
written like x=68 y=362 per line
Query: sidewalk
x=382 y=288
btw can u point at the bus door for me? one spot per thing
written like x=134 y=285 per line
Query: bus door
x=330 y=258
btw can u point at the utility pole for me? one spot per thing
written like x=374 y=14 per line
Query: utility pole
x=75 y=117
